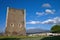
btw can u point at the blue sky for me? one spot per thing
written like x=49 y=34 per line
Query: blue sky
x=39 y=13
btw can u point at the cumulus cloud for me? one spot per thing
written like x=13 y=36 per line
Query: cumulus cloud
x=52 y=21
x=49 y=11
x=55 y=20
x=39 y=13
x=49 y=21
x=46 y=11
x=33 y=22
x=47 y=5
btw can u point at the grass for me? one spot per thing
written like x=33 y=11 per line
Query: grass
x=21 y=37
x=29 y=38
x=51 y=38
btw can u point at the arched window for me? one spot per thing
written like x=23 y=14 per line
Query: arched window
x=20 y=25
x=12 y=25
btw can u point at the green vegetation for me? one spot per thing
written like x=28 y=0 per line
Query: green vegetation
x=51 y=38
x=55 y=29
x=29 y=38
x=21 y=37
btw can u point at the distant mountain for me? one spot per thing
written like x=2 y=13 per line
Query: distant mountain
x=37 y=30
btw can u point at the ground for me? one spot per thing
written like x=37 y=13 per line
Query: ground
x=30 y=38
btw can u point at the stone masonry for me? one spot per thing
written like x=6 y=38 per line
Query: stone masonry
x=15 y=22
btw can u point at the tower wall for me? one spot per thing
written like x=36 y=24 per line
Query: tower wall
x=15 y=22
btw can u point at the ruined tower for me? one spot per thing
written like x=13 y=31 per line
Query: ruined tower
x=15 y=22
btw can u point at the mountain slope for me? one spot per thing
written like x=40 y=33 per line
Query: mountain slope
x=36 y=30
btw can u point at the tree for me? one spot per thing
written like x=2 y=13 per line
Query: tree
x=55 y=29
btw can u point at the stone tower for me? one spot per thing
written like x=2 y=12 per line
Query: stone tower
x=15 y=22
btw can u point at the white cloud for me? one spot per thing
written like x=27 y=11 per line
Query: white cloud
x=52 y=21
x=39 y=13
x=46 y=12
x=50 y=11
x=55 y=20
x=47 y=5
x=33 y=22
x=49 y=21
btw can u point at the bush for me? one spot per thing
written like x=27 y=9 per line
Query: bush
x=55 y=29
x=51 y=38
